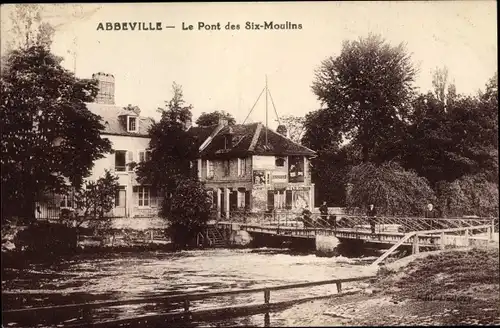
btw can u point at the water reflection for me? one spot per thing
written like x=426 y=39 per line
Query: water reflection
x=87 y=278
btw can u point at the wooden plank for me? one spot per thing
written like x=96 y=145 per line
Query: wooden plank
x=159 y=320
x=180 y=297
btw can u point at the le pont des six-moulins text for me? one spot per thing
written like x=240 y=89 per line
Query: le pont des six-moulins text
x=199 y=26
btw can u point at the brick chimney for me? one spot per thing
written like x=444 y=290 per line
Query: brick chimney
x=106 y=85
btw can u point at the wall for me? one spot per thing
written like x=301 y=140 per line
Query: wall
x=125 y=178
x=219 y=175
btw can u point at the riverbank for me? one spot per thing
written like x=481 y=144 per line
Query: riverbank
x=448 y=288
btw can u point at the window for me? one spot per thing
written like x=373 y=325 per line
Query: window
x=241 y=167
x=120 y=160
x=144 y=156
x=210 y=169
x=143 y=195
x=66 y=202
x=226 y=168
x=132 y=124
x=280 y=161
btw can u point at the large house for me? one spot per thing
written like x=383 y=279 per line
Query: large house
x=250 y=167
x=245 y=167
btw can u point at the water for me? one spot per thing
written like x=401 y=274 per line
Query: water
x=86 y=278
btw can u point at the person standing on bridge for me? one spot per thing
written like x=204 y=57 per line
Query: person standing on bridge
x=372 y=215
x=432 y=213
x=323 y=209
x=306 y=217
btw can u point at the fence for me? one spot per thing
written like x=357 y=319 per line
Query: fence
x=182 y=301
x=357 y=222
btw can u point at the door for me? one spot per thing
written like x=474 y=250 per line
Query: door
x=120 y=202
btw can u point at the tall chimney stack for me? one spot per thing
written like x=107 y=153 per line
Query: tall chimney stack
x=106 y=85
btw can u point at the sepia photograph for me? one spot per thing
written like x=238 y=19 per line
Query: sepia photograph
x=249 y=164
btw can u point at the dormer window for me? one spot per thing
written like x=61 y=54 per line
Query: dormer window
x=132 y=124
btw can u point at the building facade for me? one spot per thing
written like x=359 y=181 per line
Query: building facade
x=253 y=168
x=245 y=167
x=128 y=133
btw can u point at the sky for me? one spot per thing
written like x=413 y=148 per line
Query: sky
x=226 y=70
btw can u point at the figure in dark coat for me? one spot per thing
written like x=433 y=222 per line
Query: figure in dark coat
x=323 y=209
x=372 y=214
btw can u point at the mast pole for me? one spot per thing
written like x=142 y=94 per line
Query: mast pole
x=267 y=94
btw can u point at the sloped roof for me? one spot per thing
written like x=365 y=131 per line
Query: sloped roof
x=110 y=118
x=201 y=133
x=250 y=139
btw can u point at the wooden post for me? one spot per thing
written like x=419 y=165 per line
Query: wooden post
x=442 y=240
x=466 y=237
x=186 y=305
x=267 y=321
x=267 y=296
x=339 y=287
x=415 y=244
x=490 y=234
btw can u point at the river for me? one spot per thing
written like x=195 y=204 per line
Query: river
x=86 y=277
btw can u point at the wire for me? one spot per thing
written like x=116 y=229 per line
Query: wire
x=254 y=105
x=275 y=111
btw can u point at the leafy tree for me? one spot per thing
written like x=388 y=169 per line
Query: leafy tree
x=49 y=137
x=208 y=119
x=188 y=211
x=28 y=29
x=393 y=190
x=171 y=170
x=448 y=141
x=367 y=89
x=469 y=195
x=294 y=126
x=171 y=147
x=94 y=200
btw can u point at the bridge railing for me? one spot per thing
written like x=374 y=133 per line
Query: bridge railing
x=437 y=238
x=182 y=301
x=400 y=224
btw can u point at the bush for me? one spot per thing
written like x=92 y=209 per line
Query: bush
x=187 y=209
x=393 y=190
x=47 y=238
x=469 y=195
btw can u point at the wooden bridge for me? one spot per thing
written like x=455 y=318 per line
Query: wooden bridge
x=432 y=233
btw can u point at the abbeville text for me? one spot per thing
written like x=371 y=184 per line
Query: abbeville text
x=129 y=26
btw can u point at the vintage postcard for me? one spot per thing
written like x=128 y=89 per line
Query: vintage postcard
x=249 y=164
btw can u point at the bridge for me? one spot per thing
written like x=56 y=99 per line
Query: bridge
x=438 y=233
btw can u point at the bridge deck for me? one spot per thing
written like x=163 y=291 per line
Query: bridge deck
x=343 y=233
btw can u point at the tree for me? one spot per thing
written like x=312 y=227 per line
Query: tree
x=50 y=139
x=208 y=119
x=28 y=29
x=171 y=170
x=94 y=200
x=393 y=190
x=294 y=126
x=469 y=195
x=448 y=141
x=367 y=89
x=188 y=211
x=171 y=147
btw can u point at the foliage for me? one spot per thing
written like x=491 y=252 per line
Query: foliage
x=28 y=29
x=188 y=211
x=95 y=199
x=469 y=195
x=393 y=190
x=46 y=239
x=172 y=148
x=170 y=169
x=49 y=137
x=367 y=91
x=208 y=119
x=446 y=141
x=294 y=126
